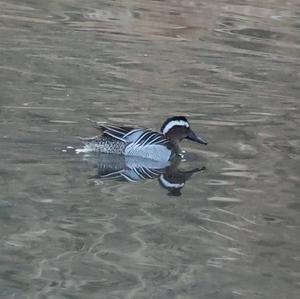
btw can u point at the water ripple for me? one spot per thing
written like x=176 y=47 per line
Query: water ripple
x=232 y=68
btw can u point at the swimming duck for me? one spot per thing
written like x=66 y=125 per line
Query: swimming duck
x=145 y=143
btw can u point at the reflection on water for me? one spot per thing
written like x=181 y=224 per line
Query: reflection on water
x=232 y=67
x=135 y=169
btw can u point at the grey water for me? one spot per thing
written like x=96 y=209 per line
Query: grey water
x=232 y=67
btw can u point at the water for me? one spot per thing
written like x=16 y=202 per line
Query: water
x=232 y=67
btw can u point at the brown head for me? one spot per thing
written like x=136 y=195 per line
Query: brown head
x=177 y=128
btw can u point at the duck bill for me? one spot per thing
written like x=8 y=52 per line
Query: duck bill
x=193 y=137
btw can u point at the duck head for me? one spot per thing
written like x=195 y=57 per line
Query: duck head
x=177 y=128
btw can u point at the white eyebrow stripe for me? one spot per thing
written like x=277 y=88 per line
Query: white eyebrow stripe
x=174 y=123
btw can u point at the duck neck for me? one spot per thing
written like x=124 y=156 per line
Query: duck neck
x=174 y=143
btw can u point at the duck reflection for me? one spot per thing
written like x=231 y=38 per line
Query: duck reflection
x=135 y=169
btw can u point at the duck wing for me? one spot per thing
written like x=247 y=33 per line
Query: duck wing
x=135 y=136
x=140 y=142
x=148 y=144
x=145 y=137
x=119 y=133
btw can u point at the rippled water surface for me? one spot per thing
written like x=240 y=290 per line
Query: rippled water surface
x=233 y=67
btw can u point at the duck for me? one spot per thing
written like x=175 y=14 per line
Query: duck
x=143 y=142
